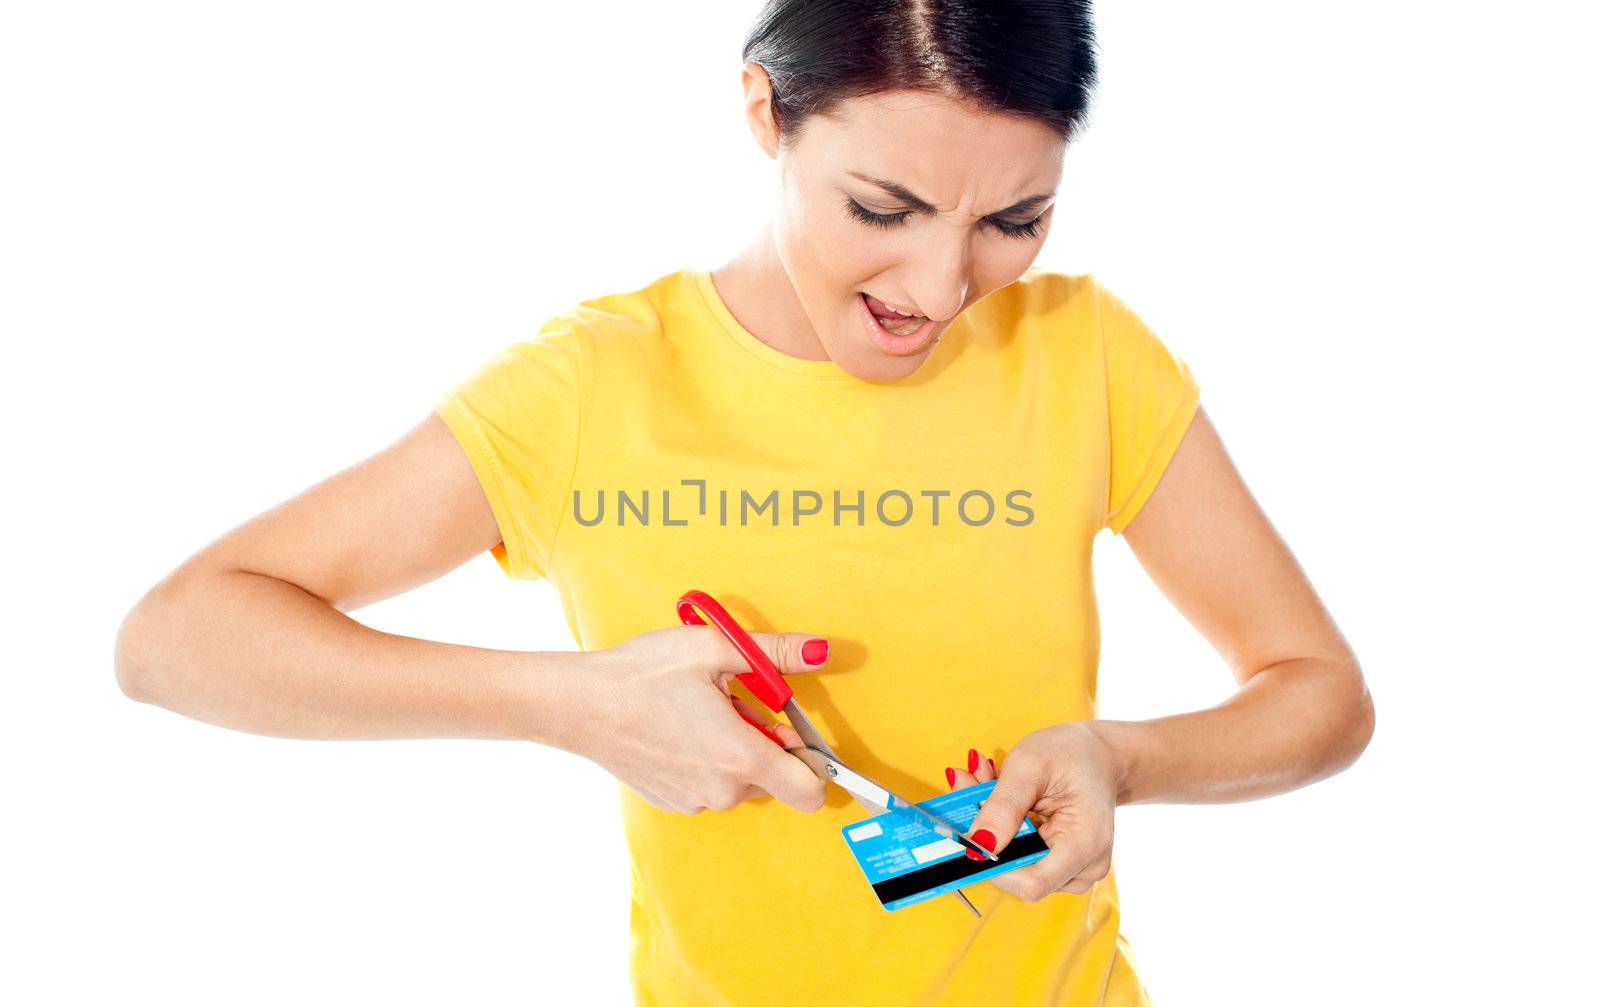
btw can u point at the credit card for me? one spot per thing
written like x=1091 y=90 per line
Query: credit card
x=907 y=862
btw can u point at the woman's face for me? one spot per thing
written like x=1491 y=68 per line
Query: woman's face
x=987 y=180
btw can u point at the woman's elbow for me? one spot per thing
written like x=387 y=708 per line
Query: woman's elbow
x=132 y=658
x=1358 y=721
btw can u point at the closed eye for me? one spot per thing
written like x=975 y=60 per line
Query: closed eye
x=889 y=220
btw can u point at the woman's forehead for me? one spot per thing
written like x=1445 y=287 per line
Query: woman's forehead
x=938 y=148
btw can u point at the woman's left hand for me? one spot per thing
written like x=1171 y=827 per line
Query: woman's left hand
x=1065 y=778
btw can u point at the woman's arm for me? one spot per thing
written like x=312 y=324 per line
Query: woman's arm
x=1302 y=711
x=250 y=632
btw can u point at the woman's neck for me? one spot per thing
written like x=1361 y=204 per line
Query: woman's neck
x=756 y=288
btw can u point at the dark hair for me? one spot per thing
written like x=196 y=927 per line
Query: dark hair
x=1027 y=57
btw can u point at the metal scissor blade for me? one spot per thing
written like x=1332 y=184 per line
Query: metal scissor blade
x=820 y=759
x=872 y=794
x=802 y=726
x=813 y=739
x=941 y=825
x=826 y=765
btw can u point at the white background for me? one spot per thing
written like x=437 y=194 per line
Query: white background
x=246 y=245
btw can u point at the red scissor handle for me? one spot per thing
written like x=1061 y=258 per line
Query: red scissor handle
x=764 y=680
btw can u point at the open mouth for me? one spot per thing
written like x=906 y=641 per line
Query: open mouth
x=890 y=330
x=897 y=322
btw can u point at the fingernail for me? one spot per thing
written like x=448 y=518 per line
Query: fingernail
x=815 y=651
x=950 y=775
x=972 y=760
x=992 y=769
x=985 y=839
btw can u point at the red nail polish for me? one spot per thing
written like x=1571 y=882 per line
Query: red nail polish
x=815 y=651
x=983 y=838
x=950 y=775
x=972 y=760
x=992 y=769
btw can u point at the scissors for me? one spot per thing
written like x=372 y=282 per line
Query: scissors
x=767 y=684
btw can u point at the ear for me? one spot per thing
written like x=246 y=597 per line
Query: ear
x=758 y=106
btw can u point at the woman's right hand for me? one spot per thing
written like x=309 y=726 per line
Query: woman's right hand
x=659 y=719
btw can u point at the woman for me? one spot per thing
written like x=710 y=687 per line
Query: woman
x=885 y=440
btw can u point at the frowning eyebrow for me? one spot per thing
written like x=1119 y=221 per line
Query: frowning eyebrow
x=916 y=202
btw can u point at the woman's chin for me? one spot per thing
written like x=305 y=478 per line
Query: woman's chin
x=868 y=363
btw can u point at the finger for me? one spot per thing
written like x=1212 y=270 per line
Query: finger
x=752 y=714
x=745 y=793
x=681 y=801
x=980 y=769
x=791 y=739
x=1071 y=854
x=787 y=778
x=985 y=771
x=793 y=653
x=1000 y=816
x=1092 y=875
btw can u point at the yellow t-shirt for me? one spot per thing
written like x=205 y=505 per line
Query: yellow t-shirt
x=937 y=530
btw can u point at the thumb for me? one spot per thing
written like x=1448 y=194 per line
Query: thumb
x=793 y=653
x=1015 y=792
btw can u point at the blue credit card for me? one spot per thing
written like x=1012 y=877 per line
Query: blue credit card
x=907 y=862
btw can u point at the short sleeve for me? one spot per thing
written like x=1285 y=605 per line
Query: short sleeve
x=518 y=418
x=1151 y=397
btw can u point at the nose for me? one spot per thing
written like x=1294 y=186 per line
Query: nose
x=937 y=277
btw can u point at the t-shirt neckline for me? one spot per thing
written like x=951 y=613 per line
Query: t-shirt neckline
x=823 y=370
